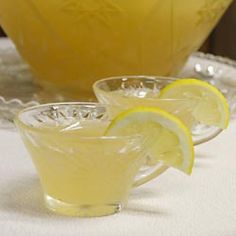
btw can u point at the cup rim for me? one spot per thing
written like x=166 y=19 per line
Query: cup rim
x=125 y=77
x=23 y=125
x=97 y=89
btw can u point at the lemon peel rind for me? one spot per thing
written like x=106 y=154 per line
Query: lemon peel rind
x=205 y=85
x=165 y=119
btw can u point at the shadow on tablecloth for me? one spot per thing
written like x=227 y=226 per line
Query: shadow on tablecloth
x=25 y=197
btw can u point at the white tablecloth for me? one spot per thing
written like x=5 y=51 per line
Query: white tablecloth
x=172 y=205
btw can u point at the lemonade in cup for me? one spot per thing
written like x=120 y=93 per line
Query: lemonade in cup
x=196 y=105
x=84 y=168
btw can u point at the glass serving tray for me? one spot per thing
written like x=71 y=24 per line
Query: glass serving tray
x=18 y=89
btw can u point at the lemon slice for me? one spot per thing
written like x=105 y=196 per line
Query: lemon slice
x=205 y=104
x=167 y=139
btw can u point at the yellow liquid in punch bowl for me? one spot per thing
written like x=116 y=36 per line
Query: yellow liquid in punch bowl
x=72 y=43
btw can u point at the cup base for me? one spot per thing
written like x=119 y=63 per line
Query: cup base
x=68 y=209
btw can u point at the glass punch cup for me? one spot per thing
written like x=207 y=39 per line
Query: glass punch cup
x=82 y=172
x=199 y=105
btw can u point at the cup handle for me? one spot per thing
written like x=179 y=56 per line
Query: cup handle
x=153 y=172
x=202 y=137
x=147 y=175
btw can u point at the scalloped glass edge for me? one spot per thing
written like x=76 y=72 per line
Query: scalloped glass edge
x=9 y=107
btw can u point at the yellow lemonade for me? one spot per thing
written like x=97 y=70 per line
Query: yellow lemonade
x=81 y=172
x=71 y=43
x=128 y=98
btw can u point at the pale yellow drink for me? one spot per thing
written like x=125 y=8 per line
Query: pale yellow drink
x=72 y=43
x=128 y=98
x=82 y=173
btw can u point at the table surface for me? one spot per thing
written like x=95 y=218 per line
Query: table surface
x=172 y=205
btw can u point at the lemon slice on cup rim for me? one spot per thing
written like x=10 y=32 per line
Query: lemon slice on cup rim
x=207 y=104
x=167 y=139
